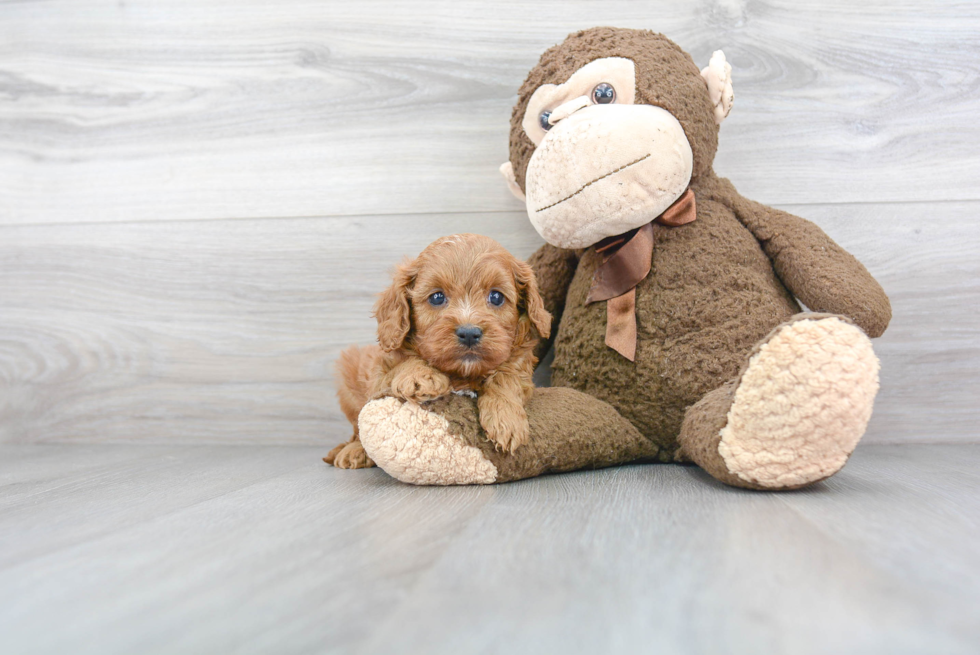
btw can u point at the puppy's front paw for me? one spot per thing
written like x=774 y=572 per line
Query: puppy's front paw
x=420 y=385
x=349 y=456
x=507 y=427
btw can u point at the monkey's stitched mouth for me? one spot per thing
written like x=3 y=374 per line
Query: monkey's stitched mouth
x=588 y=184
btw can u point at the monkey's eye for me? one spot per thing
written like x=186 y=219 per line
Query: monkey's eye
x=437 y=299
x=543 y=120
x=495 y=298
x=603 y=94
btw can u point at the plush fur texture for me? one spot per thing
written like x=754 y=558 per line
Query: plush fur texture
x=458 y=286
x=657 y=60
x=714 y=291
x=717 y=285
x=788 y=427
x=419 y=446
x=717 y=291
x=442 y=442
x=639 y=163
x=795 y=412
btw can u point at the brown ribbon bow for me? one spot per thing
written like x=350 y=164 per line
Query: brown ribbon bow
x=627 y=261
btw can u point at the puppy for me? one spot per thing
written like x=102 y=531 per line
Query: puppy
x=464 y=317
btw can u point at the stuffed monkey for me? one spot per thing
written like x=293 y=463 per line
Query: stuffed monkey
x=680 y=335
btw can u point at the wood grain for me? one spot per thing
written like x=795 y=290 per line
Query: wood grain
x=97 y=495
x=175 y=110
x=927 y=258
x=207 y=331
x=225 y=331
x=624 y=559
x=198 y=203
x=227 y=549
x=194 y=549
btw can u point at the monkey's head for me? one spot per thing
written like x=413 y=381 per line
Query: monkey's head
x=610 y=128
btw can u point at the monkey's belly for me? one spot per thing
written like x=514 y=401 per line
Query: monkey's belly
x=695 y=326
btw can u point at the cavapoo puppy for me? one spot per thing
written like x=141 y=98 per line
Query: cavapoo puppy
x=463 y=317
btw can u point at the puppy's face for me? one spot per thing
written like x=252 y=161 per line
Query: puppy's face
x=469 y=304
x=465 y=308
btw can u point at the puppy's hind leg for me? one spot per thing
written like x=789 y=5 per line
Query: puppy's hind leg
x=356 y=370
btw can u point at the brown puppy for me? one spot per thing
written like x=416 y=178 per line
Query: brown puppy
x=463 y=317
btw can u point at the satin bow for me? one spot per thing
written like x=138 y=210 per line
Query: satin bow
x=627 y=261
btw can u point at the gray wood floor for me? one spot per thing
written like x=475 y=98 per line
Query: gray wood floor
x=251 y=549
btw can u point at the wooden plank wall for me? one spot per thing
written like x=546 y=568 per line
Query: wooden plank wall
x=199 y=199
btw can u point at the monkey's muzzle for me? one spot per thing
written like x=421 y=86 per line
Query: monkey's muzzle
x=605 y=170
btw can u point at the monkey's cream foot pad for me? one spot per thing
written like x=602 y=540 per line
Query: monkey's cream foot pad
x=417 y=446
x=801 y=405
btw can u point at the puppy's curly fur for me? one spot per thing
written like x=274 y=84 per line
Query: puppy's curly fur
x=465 y=315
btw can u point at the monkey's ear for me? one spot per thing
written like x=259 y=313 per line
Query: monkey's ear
x=718 y=75
x=393 y=311
x=507 y=170
x=527 y=287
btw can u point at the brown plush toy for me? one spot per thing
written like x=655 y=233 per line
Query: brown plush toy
x=679 y=334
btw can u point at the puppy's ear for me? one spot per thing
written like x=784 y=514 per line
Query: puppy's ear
x=393 y=311
x=531 y=301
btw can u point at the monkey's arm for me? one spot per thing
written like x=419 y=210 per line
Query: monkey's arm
x=554 y=269
x=824 y=276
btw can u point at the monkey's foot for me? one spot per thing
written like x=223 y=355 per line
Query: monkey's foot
x=417 y=446
x=796 y=412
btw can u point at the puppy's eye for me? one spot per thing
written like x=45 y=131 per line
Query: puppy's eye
x=437 y=299
x=543 y=120
x=603 y=94
x=495 y=298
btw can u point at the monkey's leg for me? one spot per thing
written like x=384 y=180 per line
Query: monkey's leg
x=794 y=414
x=442 y=443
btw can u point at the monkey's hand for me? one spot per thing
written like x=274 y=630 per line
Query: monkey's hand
x=418 y=382
x=504 y=420
x=822 y=275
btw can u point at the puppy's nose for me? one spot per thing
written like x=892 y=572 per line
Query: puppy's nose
x=469 y=335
